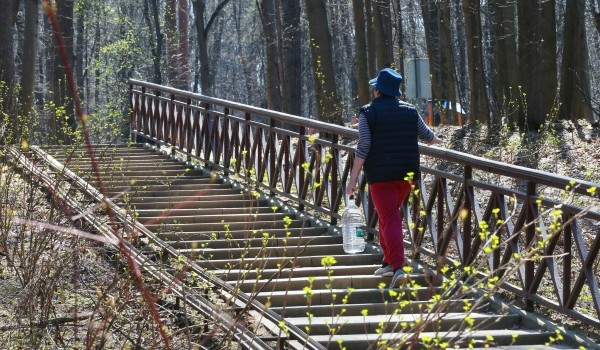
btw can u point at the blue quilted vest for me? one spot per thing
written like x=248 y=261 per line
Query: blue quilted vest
x=394 y=145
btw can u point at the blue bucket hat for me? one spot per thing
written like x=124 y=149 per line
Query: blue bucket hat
x=387 y=82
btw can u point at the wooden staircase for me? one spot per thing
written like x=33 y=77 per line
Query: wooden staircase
x=294 y=265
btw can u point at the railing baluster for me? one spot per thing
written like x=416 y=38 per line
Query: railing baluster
x=132 y=112
x=272 y=154
x=226 y=147
x=568 y=258
x=301 y=159
x=334 y=185
x=466 y=215
x=246 y=145
x=531 y=219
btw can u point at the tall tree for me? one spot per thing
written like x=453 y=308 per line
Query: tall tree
x=292 y=65
x=548 y=57
x=447 y=74
x=273 y=86
x=360 y=38
x=596 y=13
x=460 y=49
x=507 y=93
x=531 y=116
x=172 y=41
x=431 y=21
x=383 y=33
x=7 y=71
x=155 y=37
x=202 y=29
x=371 y=48
x=574 y=87
x=246 y=75
x=63 y=124
x=479 y=108
x=400 y=43
x=322 y=62
x=30 y=45
x=81 y=43
x=184 y=46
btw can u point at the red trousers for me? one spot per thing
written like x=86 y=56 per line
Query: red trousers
x=388 y=198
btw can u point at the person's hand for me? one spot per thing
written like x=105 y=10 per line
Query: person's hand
x=351 y=186
x=435 y=141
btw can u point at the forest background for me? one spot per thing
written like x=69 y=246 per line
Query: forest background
x=517 y=63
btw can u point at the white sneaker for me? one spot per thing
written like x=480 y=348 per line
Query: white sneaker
x=384 y=271
x=399 y=275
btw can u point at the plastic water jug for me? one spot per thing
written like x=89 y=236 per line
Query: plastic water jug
x=352 y=228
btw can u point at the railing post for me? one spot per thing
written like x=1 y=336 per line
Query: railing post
x=467 y=216
x=415 y=211
x=246 y=144
x=227 y=147
x=157 y=119
x=131 y=113
x=440 y=244
x=207 y=131
x=172 y=124
x=334 y=178
x=529 y=239
x=301 y=160
x=187 y=127
x=568 y=258
x=272 y=156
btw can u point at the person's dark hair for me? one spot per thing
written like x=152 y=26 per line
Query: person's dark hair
x=381 y=94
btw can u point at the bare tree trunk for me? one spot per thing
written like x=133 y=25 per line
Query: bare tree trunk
x=215 y=50
x=172 y=41
x=8 y=113
x=279 y=37
x=575 y=89
x=432 y=39
x=549 y=67
x=461 y=52
x=322 y=62
x=205 y=82
x=532 y=115
x=202 y=29
x=447 y=73
x=596 y=12
x=401 y=52
x=237 y=16
x=240 y=51
x=155 y=37
x=80 y=49
x=361 y=52
x=383 y=35
x=184 y=47
x=292 y=65
x=507 y=93
x=63 y=124
x=479 y=109
x=30 y=47
x=371 y=48
x=273 y=87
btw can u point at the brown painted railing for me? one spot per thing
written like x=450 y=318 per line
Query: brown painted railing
x=537 y=232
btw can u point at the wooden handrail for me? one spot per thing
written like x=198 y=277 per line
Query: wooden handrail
x=307 y=162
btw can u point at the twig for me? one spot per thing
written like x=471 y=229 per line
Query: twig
x=53 y=321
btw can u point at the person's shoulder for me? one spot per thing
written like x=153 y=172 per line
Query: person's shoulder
x=406 y=105
x=366 y=109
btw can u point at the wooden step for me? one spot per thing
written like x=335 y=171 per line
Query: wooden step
x=480 y=339
x=244 y=234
